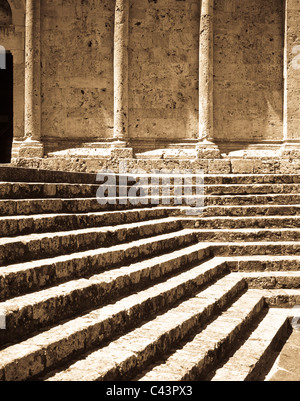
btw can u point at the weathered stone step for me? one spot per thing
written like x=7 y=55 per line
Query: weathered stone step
x=255 y=199
x=240 y=222
x=256 y=165
x=248 y=235
x=185 y=176
x=250 y=248
x=251 y=189
x=22 y=225
x=215 y=205
x=287 y=279
x=52 y=305
x=217 y=179
x=50 y=348
x=167 y=189
x=287 y=363
x=23 y=190
x=195 y=359
x=198 y=354
x=238 y=205
x=250 y=361
x=16 y=280
x=281 y=298
x=19 y=174
x=122 y=267
x=203 y=201
x=250 y=210
x=28 y=190
x=15 y=207
x=126 y=356
x=260 y=263
x=251 y=178
x=39 y=246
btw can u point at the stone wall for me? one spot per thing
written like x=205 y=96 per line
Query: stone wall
x=77 y=71
x=163 y=69
x=248 y=69
x=292 y=70
x=252 y=102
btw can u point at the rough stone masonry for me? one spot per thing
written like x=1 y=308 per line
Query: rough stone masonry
x=140 y=78
x=149 y=293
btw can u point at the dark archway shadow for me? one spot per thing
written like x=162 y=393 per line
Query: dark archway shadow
x=6 y=110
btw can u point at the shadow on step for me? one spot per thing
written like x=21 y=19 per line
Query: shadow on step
x=263 y=367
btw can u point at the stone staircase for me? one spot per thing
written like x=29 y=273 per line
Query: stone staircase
x=149 y=293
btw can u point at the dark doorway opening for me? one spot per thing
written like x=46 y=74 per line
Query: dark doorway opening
x=6 y=110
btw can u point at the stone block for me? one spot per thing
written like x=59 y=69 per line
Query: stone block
x=31 y=149
x=242 y=166
x=219 y=166
x=122 y=153
x=204 y=152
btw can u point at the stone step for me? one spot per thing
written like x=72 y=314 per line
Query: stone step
x=250 y=210
x=251 y=360
x=28 y=190
x=242 y=164
x=261 y=263
x=284 y=270
x=45 y=245
x=215 y=205
x=22 y=225
x=248 y=234
x=254 y=189
x=52 y=305
x=199 y=352
x=15 y=207
x=186 y=176
x=281 y=298
x=197 y=356
x=241 y=222
x=168 y=189
x=250 y=248
x=287 y=364
x=20 y=279
x=251 y=178
x=277 y=279
x=19 y=174
x=126 y=356
x=47 y=349
x=250 y=200
x=159 y=285
x=25 y=190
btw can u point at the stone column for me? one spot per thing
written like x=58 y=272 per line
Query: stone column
x=291 y=110
x=121 y=36
x=32 y=146
x=206 y=147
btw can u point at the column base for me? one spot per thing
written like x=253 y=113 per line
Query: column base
x=120 y=149
x=207 y=150
x=31 y=149
x=290 y=151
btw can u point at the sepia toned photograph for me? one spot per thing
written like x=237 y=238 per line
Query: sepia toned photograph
x=149 y=193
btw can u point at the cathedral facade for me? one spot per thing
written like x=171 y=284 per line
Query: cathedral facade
x=208 y=78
